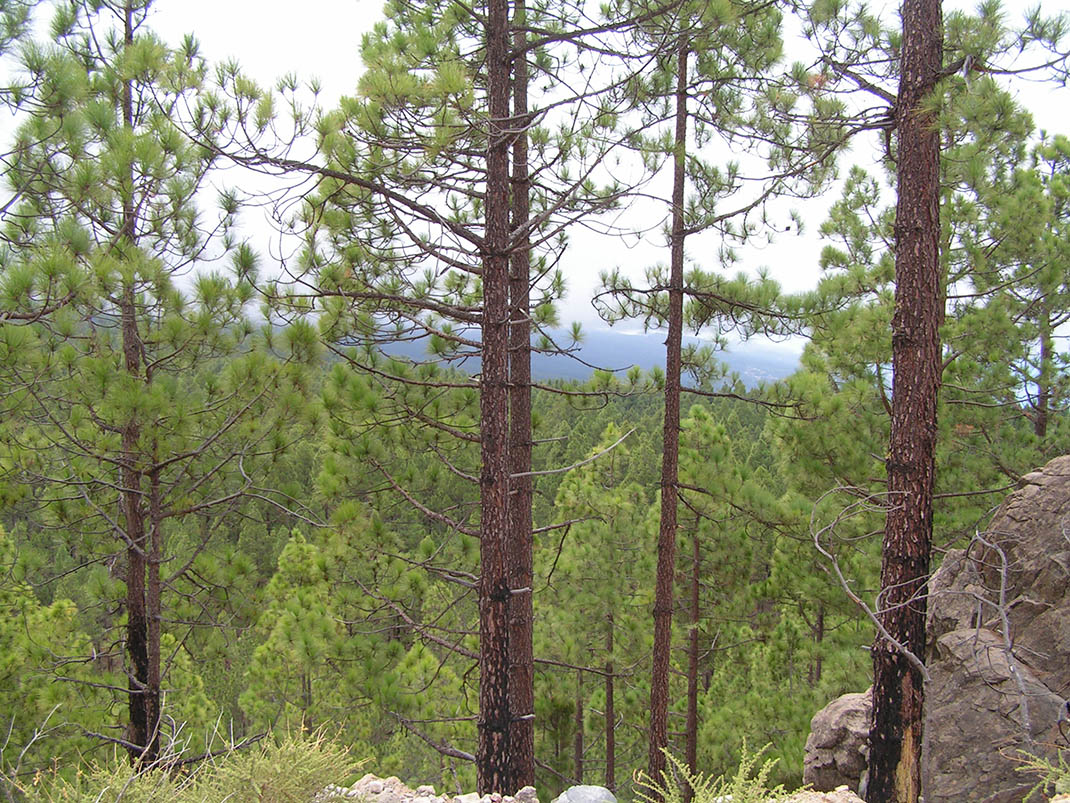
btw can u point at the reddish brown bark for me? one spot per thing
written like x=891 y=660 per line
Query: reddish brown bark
x=521 y=614
x=898 y=692
x=494 y=770
x=663 y=588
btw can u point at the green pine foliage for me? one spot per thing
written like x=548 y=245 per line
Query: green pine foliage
x=315 y=495
x=47 y=707
x=592 y=599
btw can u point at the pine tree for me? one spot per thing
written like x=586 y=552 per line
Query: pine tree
x=149 y=408
x=898 y=685
x=931 y=103
x=716 y=81
x=37 y=707
x=405 y=240
x=596 y=592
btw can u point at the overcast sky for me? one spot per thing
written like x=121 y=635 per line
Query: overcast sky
x=321 y=38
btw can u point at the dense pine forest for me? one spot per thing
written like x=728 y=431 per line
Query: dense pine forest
x=262 y=480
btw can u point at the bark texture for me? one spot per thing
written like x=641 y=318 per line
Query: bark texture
x=494 y=770
x=898 y=692
x=521 y=614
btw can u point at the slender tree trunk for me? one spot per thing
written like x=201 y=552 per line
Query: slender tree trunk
x=819 y=636
x=663 y=589
x=521 y=614
x=142 y=633
x=494 y=769
x=611 y=715
x=154 y=599
x=691 y=751
x=143 y=698
x=577 y=733
x=144 y=694
x=898 y=692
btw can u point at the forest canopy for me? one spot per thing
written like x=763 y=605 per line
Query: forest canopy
x=258 y=478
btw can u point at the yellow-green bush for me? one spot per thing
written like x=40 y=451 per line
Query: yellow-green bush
x=291 y=769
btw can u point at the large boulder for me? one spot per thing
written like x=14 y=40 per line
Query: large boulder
x=837 y=747
x=998 y=657
x=999 y=646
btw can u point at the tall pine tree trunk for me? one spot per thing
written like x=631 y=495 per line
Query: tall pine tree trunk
x=521 y=614
x=663 y=588
x=143 y=697
x=494 y=770
x=144 y=691
x=898 y=691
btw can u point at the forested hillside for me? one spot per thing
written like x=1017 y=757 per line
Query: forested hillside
x=254 y=482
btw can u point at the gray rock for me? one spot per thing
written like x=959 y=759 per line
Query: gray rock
x=586 y=794
x=527 y=795
x=986 y=702
x=837 y=749
x=374 y=786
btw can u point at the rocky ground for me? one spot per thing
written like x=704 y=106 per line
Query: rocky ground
x=372 y=789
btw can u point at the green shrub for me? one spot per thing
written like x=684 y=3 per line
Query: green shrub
x=748 y=785
x=291 y=769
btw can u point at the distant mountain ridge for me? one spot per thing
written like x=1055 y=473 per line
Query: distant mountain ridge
x=612 y=349
x=617 y=350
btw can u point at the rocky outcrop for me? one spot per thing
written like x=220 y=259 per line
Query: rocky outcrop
x=999 y=646
x=998 y=636
x=837 y=748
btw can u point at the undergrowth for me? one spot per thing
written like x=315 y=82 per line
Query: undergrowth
x=290 y=769
x=748 y=785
